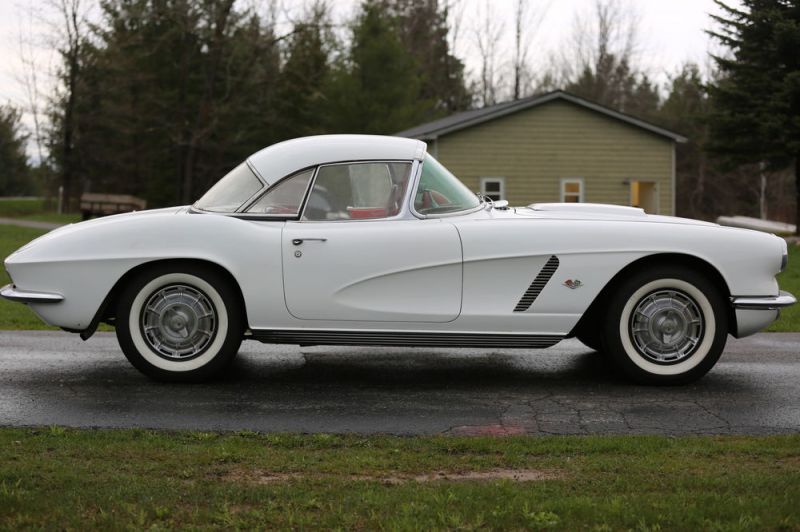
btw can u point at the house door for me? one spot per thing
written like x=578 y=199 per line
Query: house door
x=644 y=194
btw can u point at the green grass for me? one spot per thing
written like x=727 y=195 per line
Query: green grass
x=790 y=281
x=15 y=315
x=58 y=478
x=34 y=210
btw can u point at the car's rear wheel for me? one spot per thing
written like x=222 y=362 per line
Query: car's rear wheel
x=666 y=325
x=180 y=323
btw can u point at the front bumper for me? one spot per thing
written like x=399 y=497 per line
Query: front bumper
x=12 y=293
x=784 y=299
x=753 y=314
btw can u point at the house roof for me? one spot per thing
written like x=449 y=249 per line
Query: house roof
x=463 y=120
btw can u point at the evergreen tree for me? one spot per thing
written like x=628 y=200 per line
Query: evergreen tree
x=685 y=109
x=611 y=82
x=14 y=172
x=171 y=96
x=301 y=97
x=423 y=28
x=756 y=102
x=376 y=88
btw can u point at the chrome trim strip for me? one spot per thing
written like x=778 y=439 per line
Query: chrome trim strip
x=785 y=299
x=11 y=293
x=404 y=338
x=538 y=284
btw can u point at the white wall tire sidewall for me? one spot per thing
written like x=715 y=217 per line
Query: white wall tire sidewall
x=141 y=344
x=709 y=328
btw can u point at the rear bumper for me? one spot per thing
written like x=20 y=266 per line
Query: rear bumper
x=784 y=299
x=12 y=293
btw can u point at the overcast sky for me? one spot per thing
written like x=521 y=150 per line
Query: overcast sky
x=671 y=32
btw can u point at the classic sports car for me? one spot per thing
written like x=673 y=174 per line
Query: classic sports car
x=366 y=240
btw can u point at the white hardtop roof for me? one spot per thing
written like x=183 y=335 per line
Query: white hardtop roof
x=279 y=160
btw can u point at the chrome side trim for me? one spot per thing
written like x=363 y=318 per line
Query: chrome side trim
x=785 y=299
x=404 y=338
x=538 y=284
x=11 y=293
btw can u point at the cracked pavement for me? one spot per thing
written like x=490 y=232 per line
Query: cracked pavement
x=55 y=378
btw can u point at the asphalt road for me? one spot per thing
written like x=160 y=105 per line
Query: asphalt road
x=55 y=378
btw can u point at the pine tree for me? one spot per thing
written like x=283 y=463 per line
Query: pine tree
x=376 y=88
x=14 y=172
x=685 y=110
x=301 y=97
x=423 y=28
x=756 y=102
x=171 y=96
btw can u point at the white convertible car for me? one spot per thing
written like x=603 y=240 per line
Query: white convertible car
x=366 y=240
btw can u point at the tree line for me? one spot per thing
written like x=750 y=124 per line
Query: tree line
x=159 y=98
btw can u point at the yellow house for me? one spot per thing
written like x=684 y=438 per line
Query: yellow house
x=557 y=147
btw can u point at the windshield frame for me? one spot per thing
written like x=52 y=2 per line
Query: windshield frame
x=418 y=179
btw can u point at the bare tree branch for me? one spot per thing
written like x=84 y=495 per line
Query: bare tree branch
x=487 y=35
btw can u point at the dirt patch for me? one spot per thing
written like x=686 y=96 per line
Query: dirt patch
x=488 y=430
x=517 y=475
x=246 y=476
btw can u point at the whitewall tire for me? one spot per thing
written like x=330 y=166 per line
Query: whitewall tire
x=666 y=325
x=179 y=322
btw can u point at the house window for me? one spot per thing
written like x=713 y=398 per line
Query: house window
x=572 y=190
x=494 y=188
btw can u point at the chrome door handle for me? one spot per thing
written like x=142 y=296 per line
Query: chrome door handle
x=298 y=241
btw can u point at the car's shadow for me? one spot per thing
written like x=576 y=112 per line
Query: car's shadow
x=341 y=368
x=418 y=367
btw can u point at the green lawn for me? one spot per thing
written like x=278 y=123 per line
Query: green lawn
x=55 y=478
x=35 y=210
x=15 y=316
x=790 y=281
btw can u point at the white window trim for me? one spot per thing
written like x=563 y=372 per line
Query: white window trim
x=570 y=180
x=501 y=180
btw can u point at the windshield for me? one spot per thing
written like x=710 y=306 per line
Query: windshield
x=441 y=192
x=230 y=192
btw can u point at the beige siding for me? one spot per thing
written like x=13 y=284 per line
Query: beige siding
x=535 y=148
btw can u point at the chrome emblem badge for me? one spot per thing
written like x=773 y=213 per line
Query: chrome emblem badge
x=573 y=284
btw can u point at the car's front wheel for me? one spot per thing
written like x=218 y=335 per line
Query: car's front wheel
x=179 y=323
x=666 y=325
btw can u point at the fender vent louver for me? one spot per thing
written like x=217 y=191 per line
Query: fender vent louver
x=537 y=285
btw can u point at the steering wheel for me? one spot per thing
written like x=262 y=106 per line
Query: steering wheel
x=432 y=199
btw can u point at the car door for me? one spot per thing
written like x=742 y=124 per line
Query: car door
x=351 y=257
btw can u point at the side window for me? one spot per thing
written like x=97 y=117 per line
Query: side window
x=285 y=198
x=494 y=188
x=357 y=191
x=572 y=190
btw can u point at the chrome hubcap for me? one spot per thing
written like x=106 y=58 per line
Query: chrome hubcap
x=178 y=322
x=666 y=326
